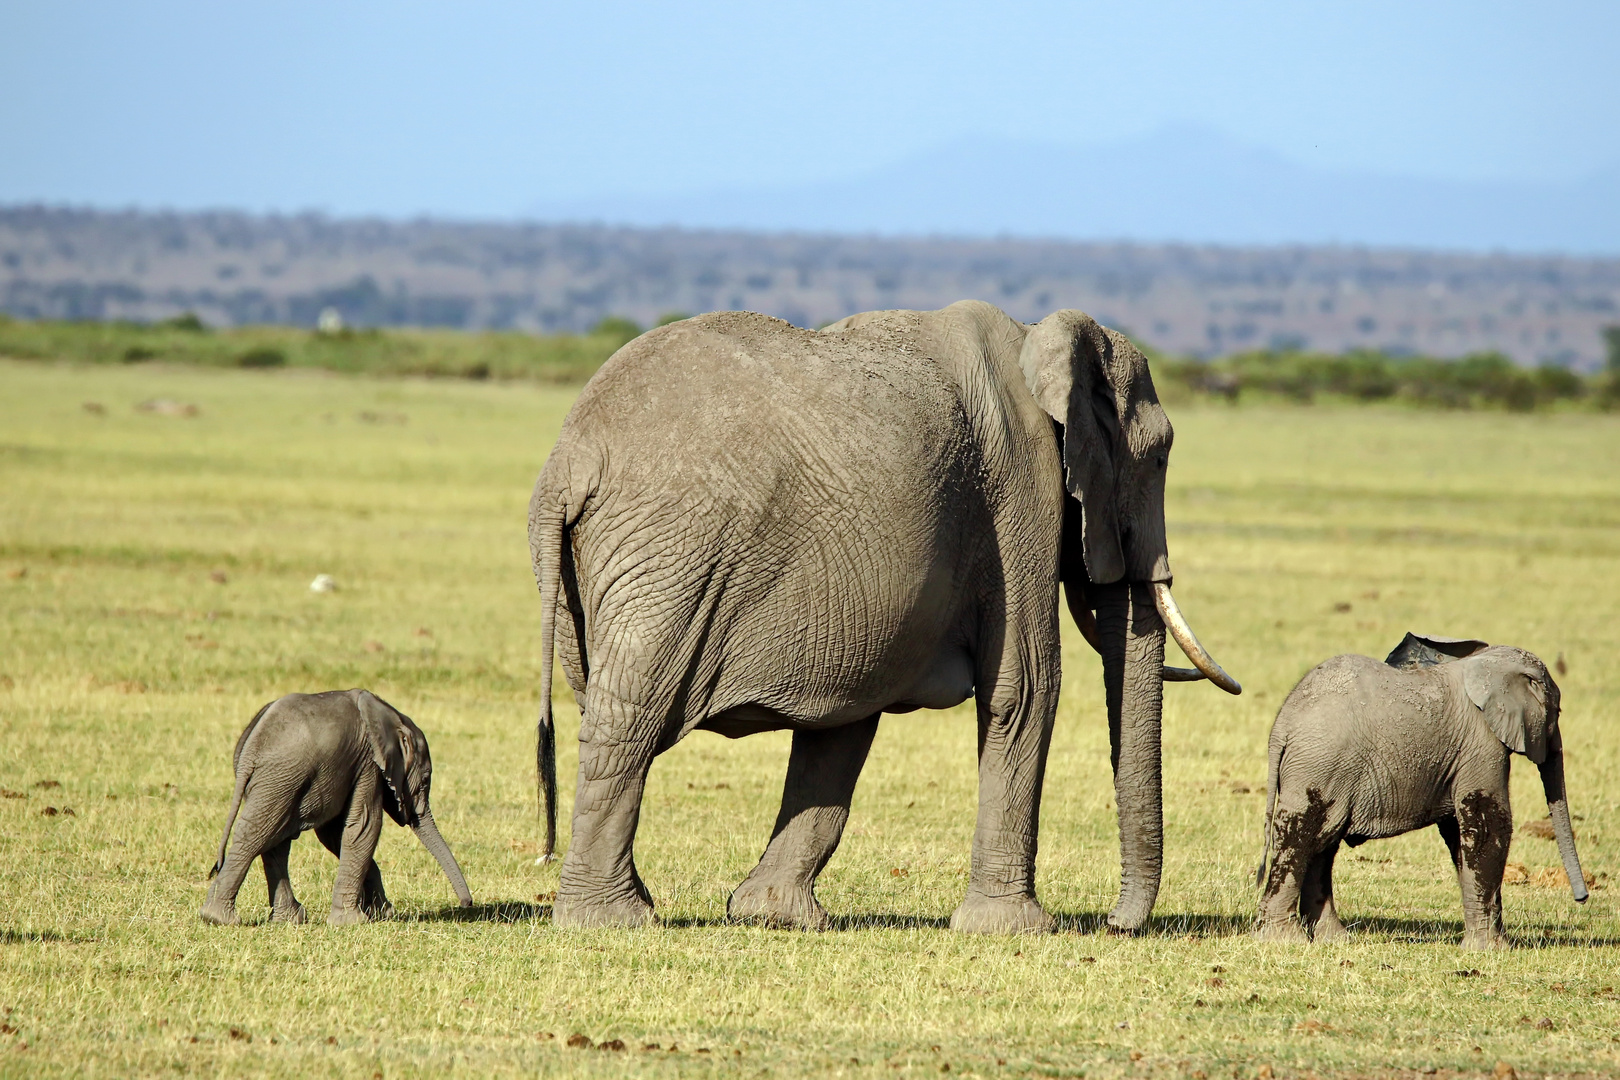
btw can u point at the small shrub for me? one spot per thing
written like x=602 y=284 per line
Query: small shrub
x=185 y=321
x=263 y=357
x=617 y=328
x=479 y=371
x=136 y=353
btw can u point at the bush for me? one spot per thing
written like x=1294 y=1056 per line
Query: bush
x=185 y=321
x=263 y=357
x=136 y=353
x=618 y=329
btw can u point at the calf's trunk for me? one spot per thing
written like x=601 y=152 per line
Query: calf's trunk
x=428 y=832
x=1552 y=782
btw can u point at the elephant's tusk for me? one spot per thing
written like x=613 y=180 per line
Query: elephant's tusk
x=1177 y=625
x=1181 y=674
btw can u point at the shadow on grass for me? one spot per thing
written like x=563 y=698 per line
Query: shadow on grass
x=509 y=911
x=9 y=936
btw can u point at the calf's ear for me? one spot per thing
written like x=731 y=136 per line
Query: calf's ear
x=390 y=750
x=1514 y=703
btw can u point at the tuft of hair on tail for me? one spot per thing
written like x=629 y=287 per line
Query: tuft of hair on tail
x=549 y=551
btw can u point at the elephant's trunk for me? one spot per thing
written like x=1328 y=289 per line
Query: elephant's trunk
x=1552 y=782
x=428 y=832
x=1132 y=639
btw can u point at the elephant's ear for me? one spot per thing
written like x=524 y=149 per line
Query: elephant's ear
x=1067 y=360
x=1514 y=702
x=390 y=749
x=1427 y=650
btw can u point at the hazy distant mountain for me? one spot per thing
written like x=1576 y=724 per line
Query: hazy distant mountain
x=1179 y=185
x=233 y=268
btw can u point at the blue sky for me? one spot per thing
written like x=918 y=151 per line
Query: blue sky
x=491 y=109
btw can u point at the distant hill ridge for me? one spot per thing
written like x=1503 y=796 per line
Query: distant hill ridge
x=236 y=268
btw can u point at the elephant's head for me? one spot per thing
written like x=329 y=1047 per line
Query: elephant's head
x=1516 y=697
x=1115 y=443
x=1114 y=439
x=400 y=752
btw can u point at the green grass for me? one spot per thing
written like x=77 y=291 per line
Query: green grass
x=126 y=671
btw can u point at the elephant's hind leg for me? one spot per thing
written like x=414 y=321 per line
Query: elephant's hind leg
x=284 y=906
x=259 y=826
x=821 y=776
x=1316 y=900
x=599 y=885
x=373 y=900
x=1300 y=840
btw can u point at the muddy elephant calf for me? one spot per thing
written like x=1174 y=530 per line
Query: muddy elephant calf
x=334 y=762
x=1362 y=750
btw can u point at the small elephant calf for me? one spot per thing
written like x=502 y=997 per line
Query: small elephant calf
x=1363 y=750
x=333 y=762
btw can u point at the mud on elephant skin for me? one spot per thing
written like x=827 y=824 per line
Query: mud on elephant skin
x=746 y=526
x=335 y=762
x=1362 y=750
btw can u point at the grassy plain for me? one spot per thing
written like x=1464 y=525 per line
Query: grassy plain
x=154 y=575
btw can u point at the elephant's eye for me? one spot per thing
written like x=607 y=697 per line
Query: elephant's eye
x=1163 y=461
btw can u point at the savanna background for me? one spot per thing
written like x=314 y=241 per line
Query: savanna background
x=159 y=528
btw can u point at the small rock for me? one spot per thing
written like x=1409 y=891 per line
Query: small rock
x=323 y=583
x=96 y=408
x=1545 y=1023
x=218 y=577
x=17 y=573
x=167 y=407
x=577 y=1041
x=611 y=1044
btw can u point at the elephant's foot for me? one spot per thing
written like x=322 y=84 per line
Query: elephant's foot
x=1328 y=931
x=1485 y=940
x=782 y=904
x=1130 y=914
x=1289 y=931
x=347 y=916
x=981 y=914
x=289 y=913
x=586 y=913
x=219 y=913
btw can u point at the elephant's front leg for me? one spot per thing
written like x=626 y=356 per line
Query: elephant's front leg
x=1482 y=828
x=361 y=829
x=820 y=783
x=599 y=885
x=1015 y=730
x=284 y=906
x=373 y=900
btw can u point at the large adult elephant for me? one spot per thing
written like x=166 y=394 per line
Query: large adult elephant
x=746 y=526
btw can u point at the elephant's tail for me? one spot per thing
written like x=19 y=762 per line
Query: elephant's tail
x=230 y=819
x=1274 y=756
x=242 y=777
x=546 y=540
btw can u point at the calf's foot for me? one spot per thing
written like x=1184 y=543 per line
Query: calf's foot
x=347 y=916
x=218 y=912
x=981 y=914
x=781 y=903
x=1290 y=931
x=289 y=913
x=587 y=913
x=1486 y=940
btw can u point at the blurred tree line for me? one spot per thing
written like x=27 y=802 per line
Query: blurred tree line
x=1480 y=380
